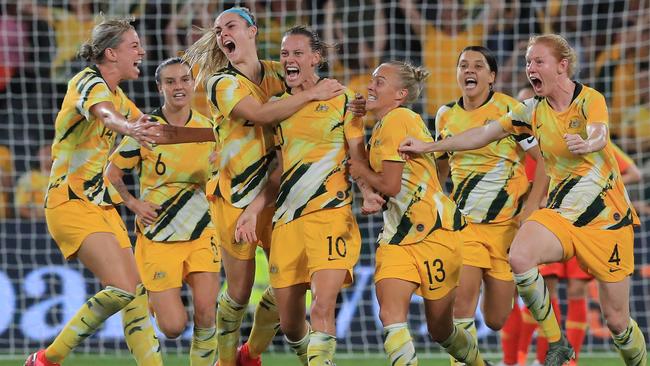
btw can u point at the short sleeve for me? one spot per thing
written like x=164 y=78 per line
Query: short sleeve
x=353 y=126
x=439 y=124
x=127 y=155
x=595 y=109
x=518 y=121
x=387 y=141
x=225 y=92
x=93 y=91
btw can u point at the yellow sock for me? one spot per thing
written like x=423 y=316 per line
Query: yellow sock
x=265 y=324
x=469 y=325
x=138 y=331
x=533 y=291
x=204 y=346
x=229 y=317
x=86 y=321
x=631 y=345
x=300 y=347
x=462 y=346
x=320 y=351
x=398 y=345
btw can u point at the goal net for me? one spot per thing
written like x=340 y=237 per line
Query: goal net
x=39 y=291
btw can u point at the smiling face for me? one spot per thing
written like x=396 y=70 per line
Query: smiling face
x=176 y=85
x=298 y=60
x=385 y=91
x=544 y=69
x=128 y=55
x=473 y=74
x=235 y=37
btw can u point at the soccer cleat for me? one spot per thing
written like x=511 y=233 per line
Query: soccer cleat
x=244 y=358
x=559 y=353
x=38 y=359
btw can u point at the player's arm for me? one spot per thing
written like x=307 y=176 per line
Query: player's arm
x=388 y=182
x=372 y=202
x=597 y=136
x=168 y=134
x=245 y=229
x=537 y=195
x=442 y=164
x=115 y=121
x=469 y=140
x=278 y=110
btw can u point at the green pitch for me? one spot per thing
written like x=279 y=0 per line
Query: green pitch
x=609 y=359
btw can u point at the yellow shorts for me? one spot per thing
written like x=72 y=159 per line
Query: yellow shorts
x=434 y=263
x=487 y=246
x=224 y=217
x=163 y=266
x=326 y=239
x=607 y=255
x=72 y=221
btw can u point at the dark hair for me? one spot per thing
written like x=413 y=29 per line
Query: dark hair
x=489 y=57
x=315 y=43
x=107 y=34
x=169 y=62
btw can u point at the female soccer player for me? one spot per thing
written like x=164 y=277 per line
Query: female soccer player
x=176 y=240
x=490 y=186
x=78 y=208
x=238 y=86
x=316 y=240
x=420 y=245
x=588 y=212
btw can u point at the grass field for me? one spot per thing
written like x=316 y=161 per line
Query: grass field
x=609 y=359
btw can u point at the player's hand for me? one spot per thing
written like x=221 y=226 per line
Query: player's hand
x=576 y=144
x=146 y=212
x=372 y=203
x=357 y=105
x=357 y=168
x=326 y=89
x=245 y=228
x=409 y=147
x=140 y=131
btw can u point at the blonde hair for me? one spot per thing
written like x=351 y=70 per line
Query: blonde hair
x=206 y=53
x=412 y=78
x=107 y=34
x=560 y=48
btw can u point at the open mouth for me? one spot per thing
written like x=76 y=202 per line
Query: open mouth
x=179 y=95
x=471 y=83
x=292 y=73
x=372 y=98
x=230 y=46
x=535 y=82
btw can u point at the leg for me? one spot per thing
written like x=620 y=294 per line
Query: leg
x=628 y=338
x=205 y=288
x=576 y=320
x=232 y=305
x=510 y=335
x=467 y=294
x=497 y=301
x=292 y=311
x=551 y=282
x=394 y=296
x=457 y=341
x=525 y=255
x=170 y=311
x=265 y=323
x=115 y=268
x=325 y=286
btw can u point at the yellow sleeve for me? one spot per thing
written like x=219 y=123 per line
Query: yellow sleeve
x=225 y=91
x=352 y=125
x=389 y=137
x=93 y=92
x=595 y=109
x=518 y=121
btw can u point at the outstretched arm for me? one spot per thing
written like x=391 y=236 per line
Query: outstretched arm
x=115 y=121
x=469 y=140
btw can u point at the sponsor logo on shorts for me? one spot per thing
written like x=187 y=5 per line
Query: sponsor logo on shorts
x=273 y=268
x=159 y=275
x=612 y=270
x=433 y=288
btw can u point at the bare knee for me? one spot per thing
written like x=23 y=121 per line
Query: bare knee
x=205 y=314
x=293 y=328
x=495 y=321
x=521 y=258
x=616 y=320
x=439 y=332
x=172 y=326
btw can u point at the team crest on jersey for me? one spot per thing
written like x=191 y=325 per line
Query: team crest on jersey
x=574 y=123
x=322 y=108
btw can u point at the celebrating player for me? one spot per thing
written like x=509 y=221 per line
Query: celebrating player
x=420 y=245
x=78 y=208
x=176 y=239
x=588 y=214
